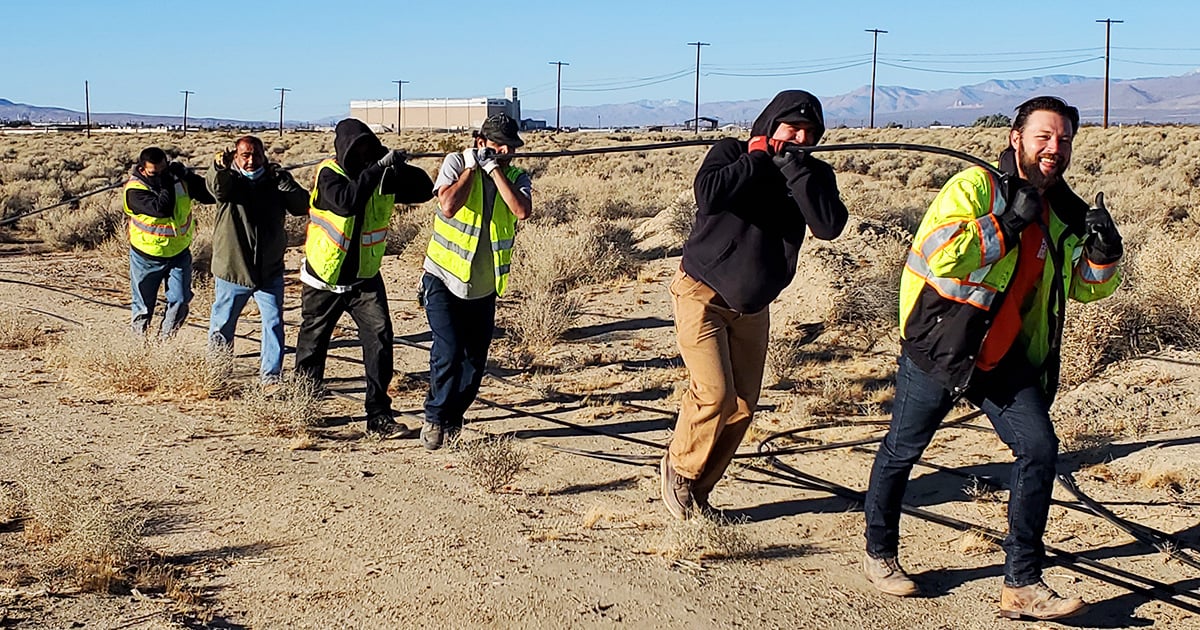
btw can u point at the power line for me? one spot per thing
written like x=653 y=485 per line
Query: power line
x=698 y=44
x=787 y=74
x=874 y=57
x=186 y=94
x=1107 y=37
x=668 y=79
x=282 y=91
x=1008 y=71
x=558 y=98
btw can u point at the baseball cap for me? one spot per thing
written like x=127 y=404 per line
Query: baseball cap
x=501 y=129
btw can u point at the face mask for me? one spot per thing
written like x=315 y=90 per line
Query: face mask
x=253 y=175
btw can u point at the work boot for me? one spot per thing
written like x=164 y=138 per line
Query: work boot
x=383 y=426
x=676 y=491
x=432 y=436
x=1037 y=601
x=887 y=576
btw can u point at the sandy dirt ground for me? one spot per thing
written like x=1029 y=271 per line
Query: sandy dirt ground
x=350 y=532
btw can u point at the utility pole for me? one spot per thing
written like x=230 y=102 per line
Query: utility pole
x=1107 y=37
x=697 y=44
x=874 y=56
x=399 y=103
x=282 y=91
x=558 y=99
x=186 y=94
x=87 y=106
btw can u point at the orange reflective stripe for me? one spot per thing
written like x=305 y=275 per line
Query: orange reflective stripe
x=1091 y=273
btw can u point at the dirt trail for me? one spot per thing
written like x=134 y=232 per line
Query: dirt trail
x=359 y=533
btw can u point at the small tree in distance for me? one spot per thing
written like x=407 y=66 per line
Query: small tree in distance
x=995 y=120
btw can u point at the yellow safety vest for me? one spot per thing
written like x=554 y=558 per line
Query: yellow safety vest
x=329 y=234
x=455 y=239
x=158 y=236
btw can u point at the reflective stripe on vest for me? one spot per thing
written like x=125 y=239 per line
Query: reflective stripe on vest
x=989 y=231
x=455 y=240
x=163 y=237
x=970 y=291
x=330 y=235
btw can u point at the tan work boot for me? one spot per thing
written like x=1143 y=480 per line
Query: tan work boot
x=676 y=490
x=1037 y=601
x=888 y=577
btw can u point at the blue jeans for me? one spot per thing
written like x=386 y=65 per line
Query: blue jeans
x=145 y=276
x=227 y=306
x=462 y=333
x=1018 y=410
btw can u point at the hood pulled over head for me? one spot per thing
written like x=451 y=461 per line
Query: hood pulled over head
x=790 y=106
x=355 y=146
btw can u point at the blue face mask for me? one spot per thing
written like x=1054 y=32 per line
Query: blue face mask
x=253 y=175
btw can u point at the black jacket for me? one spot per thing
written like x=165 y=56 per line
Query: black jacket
x=248 y=234
x=357 y=149
x=159 y=201
x=751 y=219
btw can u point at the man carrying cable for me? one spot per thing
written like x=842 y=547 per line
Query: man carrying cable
x=248 y=244
x=755 y=201
x=350 y=209
x=982 y=300
x=480 y=197
x=158 y=201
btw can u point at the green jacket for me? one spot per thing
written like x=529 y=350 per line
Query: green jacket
x=958 y=271
x=248 y=233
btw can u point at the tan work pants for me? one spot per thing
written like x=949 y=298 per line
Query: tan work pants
x=725 y=352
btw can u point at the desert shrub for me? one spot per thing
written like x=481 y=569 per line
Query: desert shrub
x=12 y=502
x=95 y=220
x=702 y=538
x=493 y=462
x=82 y=537
x=120 y=361
x=18 y=331
x=288 y=410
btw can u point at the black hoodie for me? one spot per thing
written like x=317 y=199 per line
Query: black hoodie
x=357 y=150
x=751 y=220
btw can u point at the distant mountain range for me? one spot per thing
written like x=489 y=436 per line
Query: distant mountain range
x=1156 y=99
x=1160 y=100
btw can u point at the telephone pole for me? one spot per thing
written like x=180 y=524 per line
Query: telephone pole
x=697 y=44
x=87 y=107
x=399 y=103
x=558 y=99
x=186 y=94
x=282 y=91
x=1107 y=37
x=874 y=56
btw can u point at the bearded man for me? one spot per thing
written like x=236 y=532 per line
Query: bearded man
x=982 y=299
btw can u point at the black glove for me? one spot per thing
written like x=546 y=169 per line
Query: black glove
x=789 y=159
x=177 y=169
x=395 y=157
x=1023 y=206
x=1102 y=244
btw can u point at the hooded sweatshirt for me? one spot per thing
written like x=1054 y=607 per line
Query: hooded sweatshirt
x=357 y=149
x=751 y=219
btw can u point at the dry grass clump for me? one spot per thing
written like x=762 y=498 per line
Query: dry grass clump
x=93 y=221
x=84 y=539
x=120 y=361
x=12 y=502
x=18 y=332
x=290 y=409
x=1156 y=307
x=975 y=543
x=703 y=538
x=493 y=462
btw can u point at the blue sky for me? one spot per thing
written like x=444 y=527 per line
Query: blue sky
x=138 y=55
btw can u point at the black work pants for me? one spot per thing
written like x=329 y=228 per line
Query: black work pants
x=367 y=304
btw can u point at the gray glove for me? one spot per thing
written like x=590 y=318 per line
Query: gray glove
x=471 y=157
x=789 y=159
x=395 y=157
x=487 y=160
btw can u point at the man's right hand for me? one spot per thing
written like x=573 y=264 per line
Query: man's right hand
x=471 y=157
x=224 y=159
x=1023 y=208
